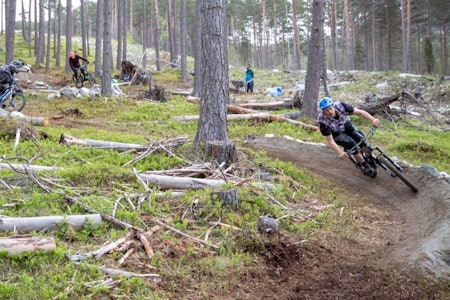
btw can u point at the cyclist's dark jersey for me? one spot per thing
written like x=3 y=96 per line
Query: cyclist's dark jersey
x=326 y=130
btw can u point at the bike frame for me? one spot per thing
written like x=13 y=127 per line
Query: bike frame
x=371 y=151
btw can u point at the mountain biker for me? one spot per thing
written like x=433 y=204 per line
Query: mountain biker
x=337 y=128
x=7 y=76
x=74 y=62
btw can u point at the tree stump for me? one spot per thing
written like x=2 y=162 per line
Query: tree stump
x=222 y=151
x=229 y=198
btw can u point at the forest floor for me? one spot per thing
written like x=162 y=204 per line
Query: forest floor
x=399 y=250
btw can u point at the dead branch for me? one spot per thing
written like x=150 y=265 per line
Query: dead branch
x=186 y=235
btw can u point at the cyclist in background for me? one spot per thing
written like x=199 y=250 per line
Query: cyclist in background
x=74 y=62
x=6 y=76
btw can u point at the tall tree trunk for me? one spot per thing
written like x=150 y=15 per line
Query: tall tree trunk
x=29 y=28
x=144 y=34
x=98 y=39
x=389 y=34
x=10 y=9
x=275 y=35
x=157 y=34
x=183 y=43
x=315 y=57
x=349 y=37
x=297 y=57
x=107 y=49
x=69 y=25
x=198 y=62
x=41 y=38
x=120 y=28
x=24 y=24
x=126 y=14
x=212 y=124
x=58 y=35
x=171 y=31
x=49 y=36
x=84 y=41
x=333 y=20
x=406 y=34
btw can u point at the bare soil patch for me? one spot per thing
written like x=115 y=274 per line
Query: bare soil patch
x=402 y=238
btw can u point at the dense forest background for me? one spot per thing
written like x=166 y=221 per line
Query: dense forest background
x=373 y=35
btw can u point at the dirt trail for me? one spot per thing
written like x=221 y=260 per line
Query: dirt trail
x=418 y=224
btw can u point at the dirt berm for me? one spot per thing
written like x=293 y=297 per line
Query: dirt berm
x=416 y=226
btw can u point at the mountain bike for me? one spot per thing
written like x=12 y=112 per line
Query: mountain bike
x=81 y=75
x=375 y=157
x=12 y=99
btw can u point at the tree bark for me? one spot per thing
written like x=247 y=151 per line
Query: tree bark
x=222 y=151
x=212 y=124
x=315 y=60
x=107 y=49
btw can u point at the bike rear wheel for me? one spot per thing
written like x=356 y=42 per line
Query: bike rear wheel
x=77 y=80
x=398 y=173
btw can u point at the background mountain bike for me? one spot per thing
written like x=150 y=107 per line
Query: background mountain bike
x=12 y=99
x=375 y=157
x=81 y=75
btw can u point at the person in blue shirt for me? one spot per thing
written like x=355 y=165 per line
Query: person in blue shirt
x=249 y=80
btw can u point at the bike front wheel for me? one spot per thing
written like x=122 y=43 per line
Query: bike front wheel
x=77 y=80
x=91 y=79
x=15 y=103
x=398 y=173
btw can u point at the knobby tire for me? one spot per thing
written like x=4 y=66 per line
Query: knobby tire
x=91 y=79
x=398 y=173
x=77 y=81
x=18 y=100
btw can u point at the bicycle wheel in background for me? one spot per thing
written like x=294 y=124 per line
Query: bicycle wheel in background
x=91 y=79
x=16 y=103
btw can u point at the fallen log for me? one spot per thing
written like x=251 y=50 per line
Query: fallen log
x=170 y=182
x=45 y=223
x=256 y=116
x=70 y=141
x=19 y=245
x=250 y=114
x=37 y=121
x=267 y=105
x=380 y=106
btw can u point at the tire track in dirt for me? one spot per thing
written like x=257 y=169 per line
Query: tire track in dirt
x=419 y=227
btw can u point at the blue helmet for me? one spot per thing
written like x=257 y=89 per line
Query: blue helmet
x=325 y=103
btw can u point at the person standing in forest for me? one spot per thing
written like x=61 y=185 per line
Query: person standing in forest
x=249 y=80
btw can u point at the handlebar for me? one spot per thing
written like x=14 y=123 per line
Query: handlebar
x=366 y=137
x=83 y=66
